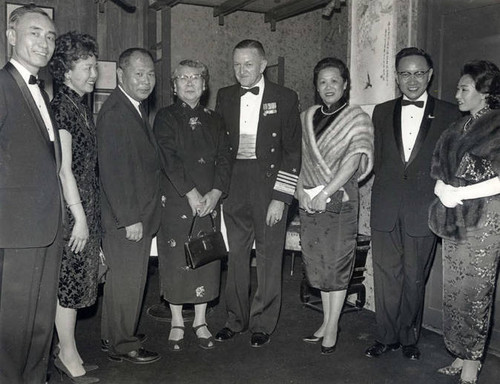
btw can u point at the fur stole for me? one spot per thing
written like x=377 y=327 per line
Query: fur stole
x=350 y=133
x=481 y=141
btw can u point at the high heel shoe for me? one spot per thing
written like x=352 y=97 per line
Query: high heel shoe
x=83 y=379
x=204 y=342
x=312 y=339
x=328 y=350
x=474 y=380
x=87 y=367
x=176 y=345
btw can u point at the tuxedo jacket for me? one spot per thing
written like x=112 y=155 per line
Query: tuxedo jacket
x=129 y=167
x=30 y=194
x=279 y=135
x=400 y=185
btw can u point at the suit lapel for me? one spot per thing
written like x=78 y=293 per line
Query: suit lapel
x=268 y=97
x=144 y=123
x=233 y=115
x=29 y=100
x=424 y=128
x=397 y=129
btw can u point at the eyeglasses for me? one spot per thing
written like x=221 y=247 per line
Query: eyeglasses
x=184 y=78
x=419 y=75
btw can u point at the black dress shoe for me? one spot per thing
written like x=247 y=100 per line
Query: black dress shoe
x=328 y=350
x=312 y=339
x=259 y=339
x=105 y=343
x=225 y=334
x=137 y=356
x=411 y=352
x=378 y=349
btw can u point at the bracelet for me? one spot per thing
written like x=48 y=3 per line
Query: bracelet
x=70 y=205
x=325 y=193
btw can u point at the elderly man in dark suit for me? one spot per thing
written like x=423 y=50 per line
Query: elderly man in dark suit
x=129 y=169
x=30 y=202
x=263 y=124
x=406 y=131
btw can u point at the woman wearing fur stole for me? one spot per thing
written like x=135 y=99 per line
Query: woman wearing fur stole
x=466 y=165
x=337 y=152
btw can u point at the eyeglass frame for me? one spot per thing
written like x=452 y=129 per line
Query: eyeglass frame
x=185 y=79
x=419 y=75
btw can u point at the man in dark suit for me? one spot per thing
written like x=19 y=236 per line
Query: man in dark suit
x=30 y=202
x=406 y=131
x=129 y=169
x=263 y=124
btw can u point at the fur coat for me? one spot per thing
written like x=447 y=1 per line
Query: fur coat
x=350 y=133
x=463 y=157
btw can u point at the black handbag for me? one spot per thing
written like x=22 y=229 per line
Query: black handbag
x=204 y=248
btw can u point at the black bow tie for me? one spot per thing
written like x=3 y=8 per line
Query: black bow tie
x=419 y=104
x=254 y=90
x=35 y=80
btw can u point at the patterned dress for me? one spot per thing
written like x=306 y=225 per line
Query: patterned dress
x=195 y=153
x=470 y=267
x=78 y=277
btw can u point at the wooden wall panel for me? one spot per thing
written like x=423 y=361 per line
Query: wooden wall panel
x=68 y=14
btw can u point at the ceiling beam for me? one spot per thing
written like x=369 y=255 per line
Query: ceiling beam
x=230 y=6
x=160 y=4
x=294 y=8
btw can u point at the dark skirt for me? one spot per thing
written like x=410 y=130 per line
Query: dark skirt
x=469 y=273
x=328 y=246
x=180 y=284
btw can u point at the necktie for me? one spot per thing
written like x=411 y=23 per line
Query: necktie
x=35 y=80
x=419 y=104
x=254 y=90
x=143 y=113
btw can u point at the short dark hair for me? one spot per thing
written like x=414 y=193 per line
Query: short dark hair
x=249 y=43
x=124 y=59
x=486 y=76
x=333 y=62
x=71 y=47
x=413 y=51
x=24 y=10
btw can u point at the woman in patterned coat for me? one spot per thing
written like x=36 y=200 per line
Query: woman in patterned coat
x=195 y=156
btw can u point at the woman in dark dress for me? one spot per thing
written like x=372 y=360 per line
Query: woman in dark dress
x=74 y=69
x=337 y=152
x=466 y=165
x=195 y=156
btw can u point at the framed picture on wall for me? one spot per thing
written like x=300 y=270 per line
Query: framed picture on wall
x=99 y=99
x=9 y=7
x=107 y=75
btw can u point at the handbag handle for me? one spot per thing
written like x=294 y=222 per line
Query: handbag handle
x=193 y=223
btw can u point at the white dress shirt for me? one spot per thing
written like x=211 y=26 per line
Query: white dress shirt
x=134 y=102
x=411 y=119
x=249 y=121
x=37 y=97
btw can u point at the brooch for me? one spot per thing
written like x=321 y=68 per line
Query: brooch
x=193 y=122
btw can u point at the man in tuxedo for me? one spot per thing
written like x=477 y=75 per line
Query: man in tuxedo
x=30 y=202
x=406 y=131
x=129 y=169
x=263 y=125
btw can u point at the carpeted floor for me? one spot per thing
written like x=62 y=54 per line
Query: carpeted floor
x=287 y=359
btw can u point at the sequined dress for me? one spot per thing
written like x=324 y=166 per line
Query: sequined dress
x=78 y=276
x=194 y=150
x=470 y=268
